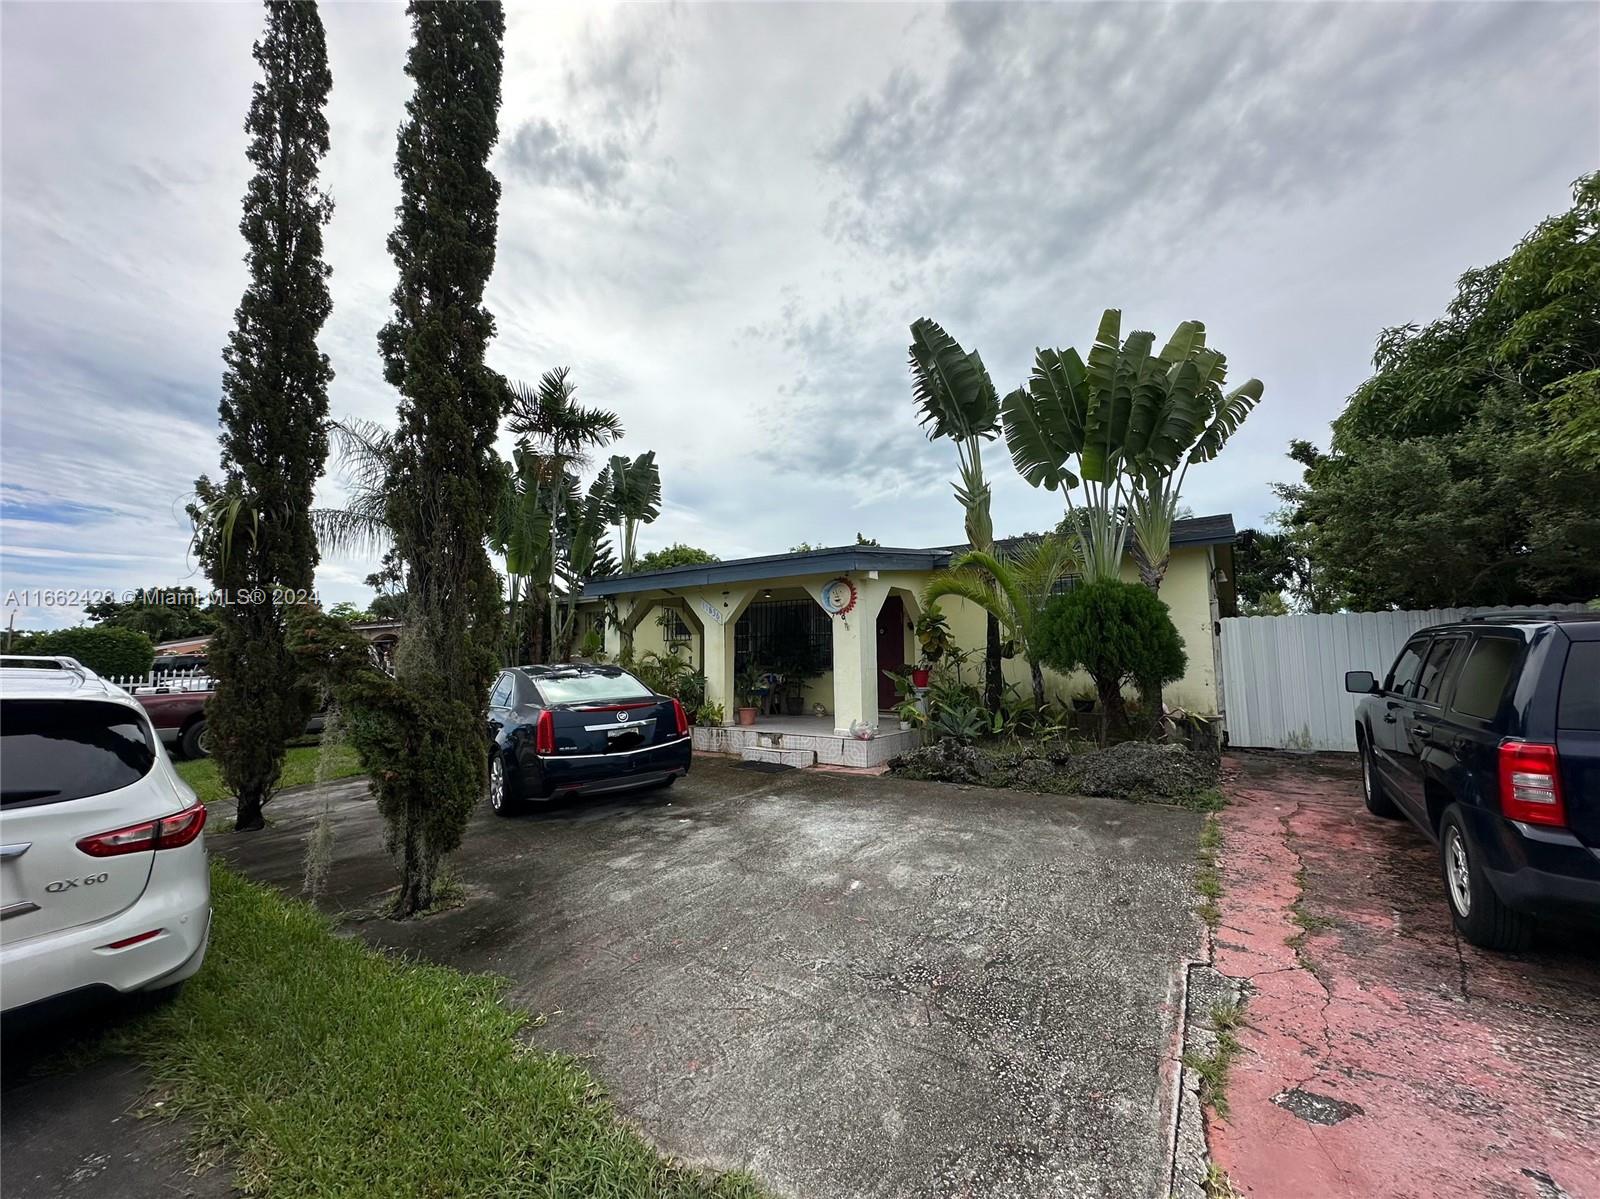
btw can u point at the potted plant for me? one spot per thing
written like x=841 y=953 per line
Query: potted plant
x=911 y=715
x=933 y=634
x=750 y=689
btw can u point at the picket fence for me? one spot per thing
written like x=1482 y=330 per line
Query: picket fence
x=1283 y=676
x=161 y=681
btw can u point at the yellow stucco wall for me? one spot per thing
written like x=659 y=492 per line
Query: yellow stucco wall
x=1186 y=591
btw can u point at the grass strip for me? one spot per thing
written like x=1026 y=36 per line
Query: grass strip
x=1213 y=1067
x=322 y=1067
x=299 y=768
x=1207 y=876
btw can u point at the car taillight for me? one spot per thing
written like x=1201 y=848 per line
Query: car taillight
x=683 y=719
x=544 y=733
x=170 y=832
x=1530 y=784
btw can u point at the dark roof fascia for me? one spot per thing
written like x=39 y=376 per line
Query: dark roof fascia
x=1190 y=530
x=772 y=566
x=1195 y=530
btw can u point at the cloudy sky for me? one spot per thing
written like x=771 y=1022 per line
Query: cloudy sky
x=724 y=217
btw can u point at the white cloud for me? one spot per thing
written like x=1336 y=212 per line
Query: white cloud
x=723 y=218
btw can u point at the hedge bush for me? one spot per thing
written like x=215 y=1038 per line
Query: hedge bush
x=1120 y=633
x=106 y=651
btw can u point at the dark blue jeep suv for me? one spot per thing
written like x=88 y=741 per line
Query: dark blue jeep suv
x=1486 y=734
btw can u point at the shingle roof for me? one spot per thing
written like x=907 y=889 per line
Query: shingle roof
x=1194 y=530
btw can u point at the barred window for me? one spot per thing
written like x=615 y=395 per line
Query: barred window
x=674 y=629
x=1065 y=584
x=774 y=632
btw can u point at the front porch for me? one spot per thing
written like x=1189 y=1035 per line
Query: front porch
x=851 y=610
x=807 y=741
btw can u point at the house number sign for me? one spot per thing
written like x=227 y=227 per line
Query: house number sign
x=710 y=609
x=838 y=597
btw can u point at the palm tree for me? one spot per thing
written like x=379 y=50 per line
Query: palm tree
x=1175 y=428
x=364 y=451
x=520 y=533
x=634 y=500
x=1118 y=427
x=1014 y=589
x=562 y=434
x=585 y=553
x=959 y=401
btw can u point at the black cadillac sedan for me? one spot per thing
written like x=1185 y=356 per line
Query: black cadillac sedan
x=556 y=731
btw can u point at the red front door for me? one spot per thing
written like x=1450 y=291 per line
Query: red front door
x=891 y=649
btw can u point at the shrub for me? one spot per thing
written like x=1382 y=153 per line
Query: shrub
x=1119 y=633
x=106 y=651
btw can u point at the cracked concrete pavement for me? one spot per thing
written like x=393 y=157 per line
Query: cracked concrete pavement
x=851 y=986
x=1383 y=1056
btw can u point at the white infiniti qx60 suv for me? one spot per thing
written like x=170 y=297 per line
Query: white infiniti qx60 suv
x=103 y=877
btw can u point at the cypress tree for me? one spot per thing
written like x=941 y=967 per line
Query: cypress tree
x=254 y=533
x=444 y=479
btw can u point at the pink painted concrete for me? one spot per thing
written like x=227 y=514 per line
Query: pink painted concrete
x=1478 y=1074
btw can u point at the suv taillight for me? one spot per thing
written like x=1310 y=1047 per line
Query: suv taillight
x=544 y=733
x=170 y=832
x=1530 y=784
x=683 y=719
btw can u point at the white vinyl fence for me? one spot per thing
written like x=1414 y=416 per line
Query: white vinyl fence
x=1283 y=676
x=161 y=681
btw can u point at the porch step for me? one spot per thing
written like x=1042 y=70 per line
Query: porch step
x=798 y=758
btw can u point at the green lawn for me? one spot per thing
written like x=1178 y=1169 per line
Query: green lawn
x=323 y=1067
x=299 y=767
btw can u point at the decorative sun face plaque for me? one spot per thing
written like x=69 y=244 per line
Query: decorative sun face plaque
x=838 y=597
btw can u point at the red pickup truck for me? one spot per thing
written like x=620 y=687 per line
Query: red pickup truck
x=179 y=717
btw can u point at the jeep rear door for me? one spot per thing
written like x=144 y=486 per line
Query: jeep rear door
x=1578 y=733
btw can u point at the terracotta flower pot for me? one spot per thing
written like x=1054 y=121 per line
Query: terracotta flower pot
x=747 y=715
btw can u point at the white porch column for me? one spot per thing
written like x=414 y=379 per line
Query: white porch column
x=855 y=653
x=717 y=611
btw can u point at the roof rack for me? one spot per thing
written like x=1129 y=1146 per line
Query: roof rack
x=1521 y=615
x=572 y=668
x=44 y=662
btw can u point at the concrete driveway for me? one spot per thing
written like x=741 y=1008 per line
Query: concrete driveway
x=849 y=985
x=1382 y=1054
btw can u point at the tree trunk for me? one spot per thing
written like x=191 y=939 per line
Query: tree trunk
x=1151 y=571
x=1115 y=713
x=1150 y=574
x=1037 y=674
x=993 y=678
x=250 y=817
x=416 y=886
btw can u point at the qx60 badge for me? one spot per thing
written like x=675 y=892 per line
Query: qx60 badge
x=66 y=884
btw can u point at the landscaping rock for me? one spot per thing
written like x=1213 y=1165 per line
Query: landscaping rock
x=1142 y=770
x=946 y=762
x=1132 y=770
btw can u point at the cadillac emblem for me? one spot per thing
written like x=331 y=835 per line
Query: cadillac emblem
x=622 y=717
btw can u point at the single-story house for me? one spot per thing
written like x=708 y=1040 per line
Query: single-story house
x=860 y=604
